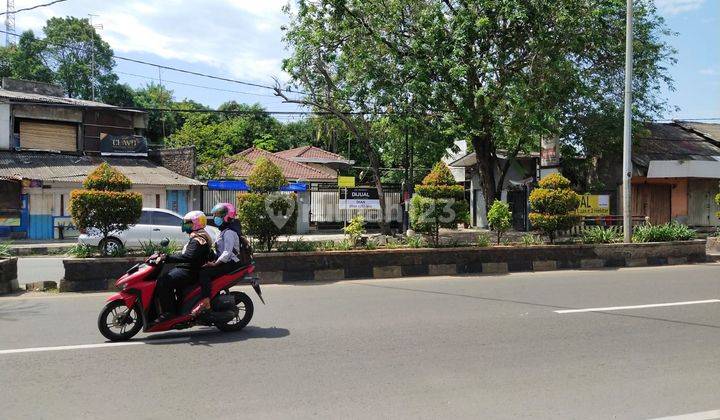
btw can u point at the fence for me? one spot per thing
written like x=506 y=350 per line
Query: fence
x=612 y=220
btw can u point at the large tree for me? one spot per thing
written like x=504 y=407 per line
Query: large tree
x=501 y=73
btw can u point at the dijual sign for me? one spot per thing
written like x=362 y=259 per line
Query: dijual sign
x=360 y=198
x=594 y=205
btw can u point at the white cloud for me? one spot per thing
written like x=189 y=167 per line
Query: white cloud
x=710 y=71
x=673 y=7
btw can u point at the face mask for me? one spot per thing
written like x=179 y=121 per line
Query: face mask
x=218 y=220
x=186 y=228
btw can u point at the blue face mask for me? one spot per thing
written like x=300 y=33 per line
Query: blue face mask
x=218 y=220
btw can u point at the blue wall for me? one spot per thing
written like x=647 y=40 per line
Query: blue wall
x=41 y=226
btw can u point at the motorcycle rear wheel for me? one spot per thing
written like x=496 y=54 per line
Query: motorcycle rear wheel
x=245 y=313
x=114 y=324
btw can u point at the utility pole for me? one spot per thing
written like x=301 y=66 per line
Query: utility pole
x=627 y=128
x=9 y=22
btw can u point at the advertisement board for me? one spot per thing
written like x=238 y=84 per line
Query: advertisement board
x=127 y=145
x=360 y=198
x=346 y=181
x=594 y=205
x=549 y=152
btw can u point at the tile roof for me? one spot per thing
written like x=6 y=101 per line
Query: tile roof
x=241 y=165
x=50 y=167
x=35 y=97
x=311 y=154
x=669 y=141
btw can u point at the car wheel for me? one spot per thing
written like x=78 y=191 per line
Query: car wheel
x=110 y=246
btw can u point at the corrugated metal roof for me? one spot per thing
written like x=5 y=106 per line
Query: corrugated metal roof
x=50 y=167
x=15 y=96
x=709 y=130
x=671 y=142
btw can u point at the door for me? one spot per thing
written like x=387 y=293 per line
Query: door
x=167 y=225
x=140 y=232
x=46 y=136
x=702 y=208
x=518 y=206
x=652 y=200
x=177 y=201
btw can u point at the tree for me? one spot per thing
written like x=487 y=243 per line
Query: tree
x=161 y=124
x=265 y=176
x=553 y=205
x=25 y=60
x=439 y=202
x=502 y=74
x=499 y=218
x=105 y=204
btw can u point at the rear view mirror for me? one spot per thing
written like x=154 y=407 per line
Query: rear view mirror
x=165 y=242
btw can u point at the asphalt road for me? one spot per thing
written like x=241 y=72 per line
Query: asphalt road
x=31 y=269
x=443 y=347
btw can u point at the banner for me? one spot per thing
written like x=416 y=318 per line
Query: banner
x=594 y=205
x=549 y=152
x=346 y=181
x=360 y=198
x=125 y=145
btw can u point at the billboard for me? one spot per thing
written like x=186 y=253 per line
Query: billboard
x=360 y=198
x=124 y=145
x=594 y=205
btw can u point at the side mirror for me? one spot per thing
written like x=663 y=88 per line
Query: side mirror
x=165 y=242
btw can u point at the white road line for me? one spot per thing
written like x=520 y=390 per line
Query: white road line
x=620 y=308
x=92 y=346
x=704 y=415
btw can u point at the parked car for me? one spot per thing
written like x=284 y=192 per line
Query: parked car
x=154 y=225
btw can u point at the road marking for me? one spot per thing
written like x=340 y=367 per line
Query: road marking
x=620 y=308
x=704 y=415
x=92 y=346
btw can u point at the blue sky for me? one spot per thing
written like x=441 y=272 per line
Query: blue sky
x=241 y=39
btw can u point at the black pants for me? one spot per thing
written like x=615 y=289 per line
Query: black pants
x=208 y=274
x=177 y=278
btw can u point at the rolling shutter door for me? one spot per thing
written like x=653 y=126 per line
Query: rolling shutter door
x=43 y=136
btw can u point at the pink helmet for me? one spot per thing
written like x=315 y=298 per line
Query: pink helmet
x=194 y=220
x=225 y=210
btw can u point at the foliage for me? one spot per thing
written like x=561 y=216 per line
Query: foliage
x=439 y=175
x=148 y=248
x=601 y=235
x=161 y=124
x=483 y=240
x=393 y=244
x=4 y=249
x=355 y=229
x=298 y=246
x=456 y=192
x=370 y=245
x=672 y=231
x=259 y=212
x=499 y=218
x=553 y=205
x=416 y=241
x=717 y=201
x=529 y=239
x=265 y=176
x=107 y=178
x=82 y=251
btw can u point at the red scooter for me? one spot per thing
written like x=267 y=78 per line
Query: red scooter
x=135 y=306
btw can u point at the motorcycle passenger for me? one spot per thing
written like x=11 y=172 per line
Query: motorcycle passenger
x=227 y=248
x=193 y=256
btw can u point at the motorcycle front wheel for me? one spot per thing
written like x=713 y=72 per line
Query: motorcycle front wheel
x=118 y=323
x=245 y=313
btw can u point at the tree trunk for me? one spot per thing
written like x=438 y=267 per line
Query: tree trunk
x=485 y=168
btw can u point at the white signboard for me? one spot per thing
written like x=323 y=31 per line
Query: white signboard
x=359 y=198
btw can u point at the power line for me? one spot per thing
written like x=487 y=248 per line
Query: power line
x=32 y=7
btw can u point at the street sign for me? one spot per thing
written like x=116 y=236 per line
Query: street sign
x=594 y=205
x=346 y=181
x=360 y=198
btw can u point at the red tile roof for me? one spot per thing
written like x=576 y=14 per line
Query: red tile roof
x=242 y=164
x=309 y=153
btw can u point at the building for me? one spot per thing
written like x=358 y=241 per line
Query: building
x=48 y=145
x=315 y=157
x=521 y=173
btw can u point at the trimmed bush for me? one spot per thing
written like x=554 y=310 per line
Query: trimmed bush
x=438 y=202
x=553 y=205
x=104 y=205
x=672 y=231
x=265 y=177
x=499 y=218
x=355 y=229
x=266 y=216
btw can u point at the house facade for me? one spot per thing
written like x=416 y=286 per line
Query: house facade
x=48 y=145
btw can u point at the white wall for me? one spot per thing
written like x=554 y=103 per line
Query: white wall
x=5 y=129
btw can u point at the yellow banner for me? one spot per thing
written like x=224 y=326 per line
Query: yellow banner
x=346 y=181
x=594 y=205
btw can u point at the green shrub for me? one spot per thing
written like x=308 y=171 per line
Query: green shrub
x=483 y=240
x=499 y=218
x=298 y=246
x=416 y=241
x=439 y=175
x=355 y=229
x=265 y=177
x=5 y=249
x=441 y=191
x=107 y=178
x=601 y=235
x=717 y=201
x=266 y=216
x=529 y=239
x=672 y=231
x=393 y=244
x=553 y=205
x=370 y=245
x=343 y=245
x=148 y=248
x=82 y=251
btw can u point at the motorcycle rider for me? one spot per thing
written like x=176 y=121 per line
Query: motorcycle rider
x=193 y=256
x=227 y=248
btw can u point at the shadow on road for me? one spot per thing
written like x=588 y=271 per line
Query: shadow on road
x=208 y=337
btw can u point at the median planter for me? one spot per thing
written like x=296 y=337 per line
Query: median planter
x=286 y=267
x=8 y=275
x=93 y=274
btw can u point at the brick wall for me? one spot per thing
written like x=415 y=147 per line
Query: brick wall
x=180 y=160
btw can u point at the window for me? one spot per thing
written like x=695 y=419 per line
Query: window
x=144 y=218
x=166 y=219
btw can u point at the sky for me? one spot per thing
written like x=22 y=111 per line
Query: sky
x=242 y=39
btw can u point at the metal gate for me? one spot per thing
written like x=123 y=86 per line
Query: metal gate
x=325 y=205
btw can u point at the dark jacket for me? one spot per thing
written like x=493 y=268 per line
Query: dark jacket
x=195 y=254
